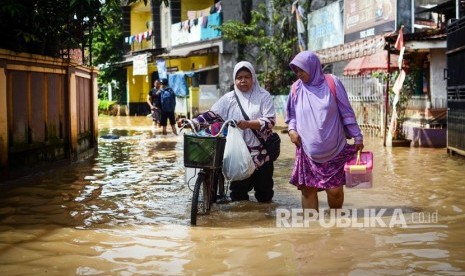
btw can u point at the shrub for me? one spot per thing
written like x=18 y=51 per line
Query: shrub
x=104 y=106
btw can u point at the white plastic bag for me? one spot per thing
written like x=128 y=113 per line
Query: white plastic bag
x=237 y=161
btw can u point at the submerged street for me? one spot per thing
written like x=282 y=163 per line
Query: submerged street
x=126 y=211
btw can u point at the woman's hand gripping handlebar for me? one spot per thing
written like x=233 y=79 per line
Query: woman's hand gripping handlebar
x=184 y=123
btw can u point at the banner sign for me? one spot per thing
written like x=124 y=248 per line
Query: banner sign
x=139 y=65
x=325 y=28
x=366 y=18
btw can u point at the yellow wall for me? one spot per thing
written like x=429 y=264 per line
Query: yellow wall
x=140 y=16
x=194 y=6
x=139 y=86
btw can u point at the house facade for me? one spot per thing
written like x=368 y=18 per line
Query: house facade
x=368 y=30
x=180 y=42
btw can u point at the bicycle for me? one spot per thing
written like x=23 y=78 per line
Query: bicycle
x=205 y=153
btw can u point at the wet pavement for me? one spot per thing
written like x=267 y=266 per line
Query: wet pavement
x=127 y=212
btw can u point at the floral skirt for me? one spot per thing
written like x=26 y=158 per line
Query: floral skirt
x=328 y=175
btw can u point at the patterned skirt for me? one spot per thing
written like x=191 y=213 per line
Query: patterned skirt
x=328 y=175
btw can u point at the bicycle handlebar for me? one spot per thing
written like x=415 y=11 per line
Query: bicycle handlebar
x=187 y=122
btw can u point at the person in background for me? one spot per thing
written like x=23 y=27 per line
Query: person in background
x=168 y=106
x=258 y=105
x=317 y=125
x=153 y=100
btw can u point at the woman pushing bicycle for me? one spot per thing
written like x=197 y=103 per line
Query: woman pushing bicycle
x=252 y=108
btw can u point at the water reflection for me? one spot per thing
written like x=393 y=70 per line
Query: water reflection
x=126 y=211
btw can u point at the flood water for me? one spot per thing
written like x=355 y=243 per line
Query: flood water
x=127 y=212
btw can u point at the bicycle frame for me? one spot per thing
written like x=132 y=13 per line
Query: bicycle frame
x=209 y=182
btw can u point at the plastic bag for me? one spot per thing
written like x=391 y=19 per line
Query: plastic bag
x=237 y=161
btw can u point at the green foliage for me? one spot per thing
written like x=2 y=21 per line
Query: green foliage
x=108 y=51
x=54 y=26
x=104 y=106
x=34 y=26
x=48 y=27
x=270 y=40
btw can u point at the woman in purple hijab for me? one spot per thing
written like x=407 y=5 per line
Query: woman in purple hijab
x=318 y=124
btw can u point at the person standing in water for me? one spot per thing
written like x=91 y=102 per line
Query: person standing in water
x=318 y=123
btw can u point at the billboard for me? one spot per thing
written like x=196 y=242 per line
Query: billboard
x=325 y=28
x=366 y=18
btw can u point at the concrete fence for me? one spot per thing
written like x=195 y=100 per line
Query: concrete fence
x=48 y=111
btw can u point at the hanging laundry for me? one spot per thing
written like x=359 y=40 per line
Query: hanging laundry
x=161 y=68
x=191 y=15
x=205 y=12
x=204 y=21
x=218 y=6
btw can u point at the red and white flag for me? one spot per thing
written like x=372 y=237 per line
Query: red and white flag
x=400 y=39
x=400 y=45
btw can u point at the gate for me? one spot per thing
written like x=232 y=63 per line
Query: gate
x=456 y=86
x=366 y=97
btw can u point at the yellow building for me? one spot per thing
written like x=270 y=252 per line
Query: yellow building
x=178 y=42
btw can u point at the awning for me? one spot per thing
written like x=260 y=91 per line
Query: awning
x=374 y=63
x=190 y=50
x=447 y=7
x=206 y=68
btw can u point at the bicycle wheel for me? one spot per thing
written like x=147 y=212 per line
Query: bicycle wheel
x=201 y=198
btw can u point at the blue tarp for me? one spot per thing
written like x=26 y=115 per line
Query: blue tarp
x=177 y=81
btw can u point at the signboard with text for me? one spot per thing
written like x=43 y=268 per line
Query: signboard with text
x=366 y=18
x=139 y=64
x=325 y=28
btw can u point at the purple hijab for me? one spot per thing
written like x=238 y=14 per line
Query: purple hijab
x=313 y=111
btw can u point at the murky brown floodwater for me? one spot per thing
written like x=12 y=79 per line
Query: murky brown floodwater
x=126 y=212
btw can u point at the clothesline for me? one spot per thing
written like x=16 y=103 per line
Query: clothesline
x=147 y=35
x=195 y=17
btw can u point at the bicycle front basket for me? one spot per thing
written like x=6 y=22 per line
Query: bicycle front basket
x=203 y=151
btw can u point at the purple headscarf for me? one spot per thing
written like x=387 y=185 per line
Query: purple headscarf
x=309 y=62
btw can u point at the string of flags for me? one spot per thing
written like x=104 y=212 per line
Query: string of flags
x=147 y=35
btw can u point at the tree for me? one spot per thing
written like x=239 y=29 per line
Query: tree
x=34 y=26
x=108 y=51
x=55 y=27
x=270 y=39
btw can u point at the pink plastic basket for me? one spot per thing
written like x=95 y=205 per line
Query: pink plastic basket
x=359 y=174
